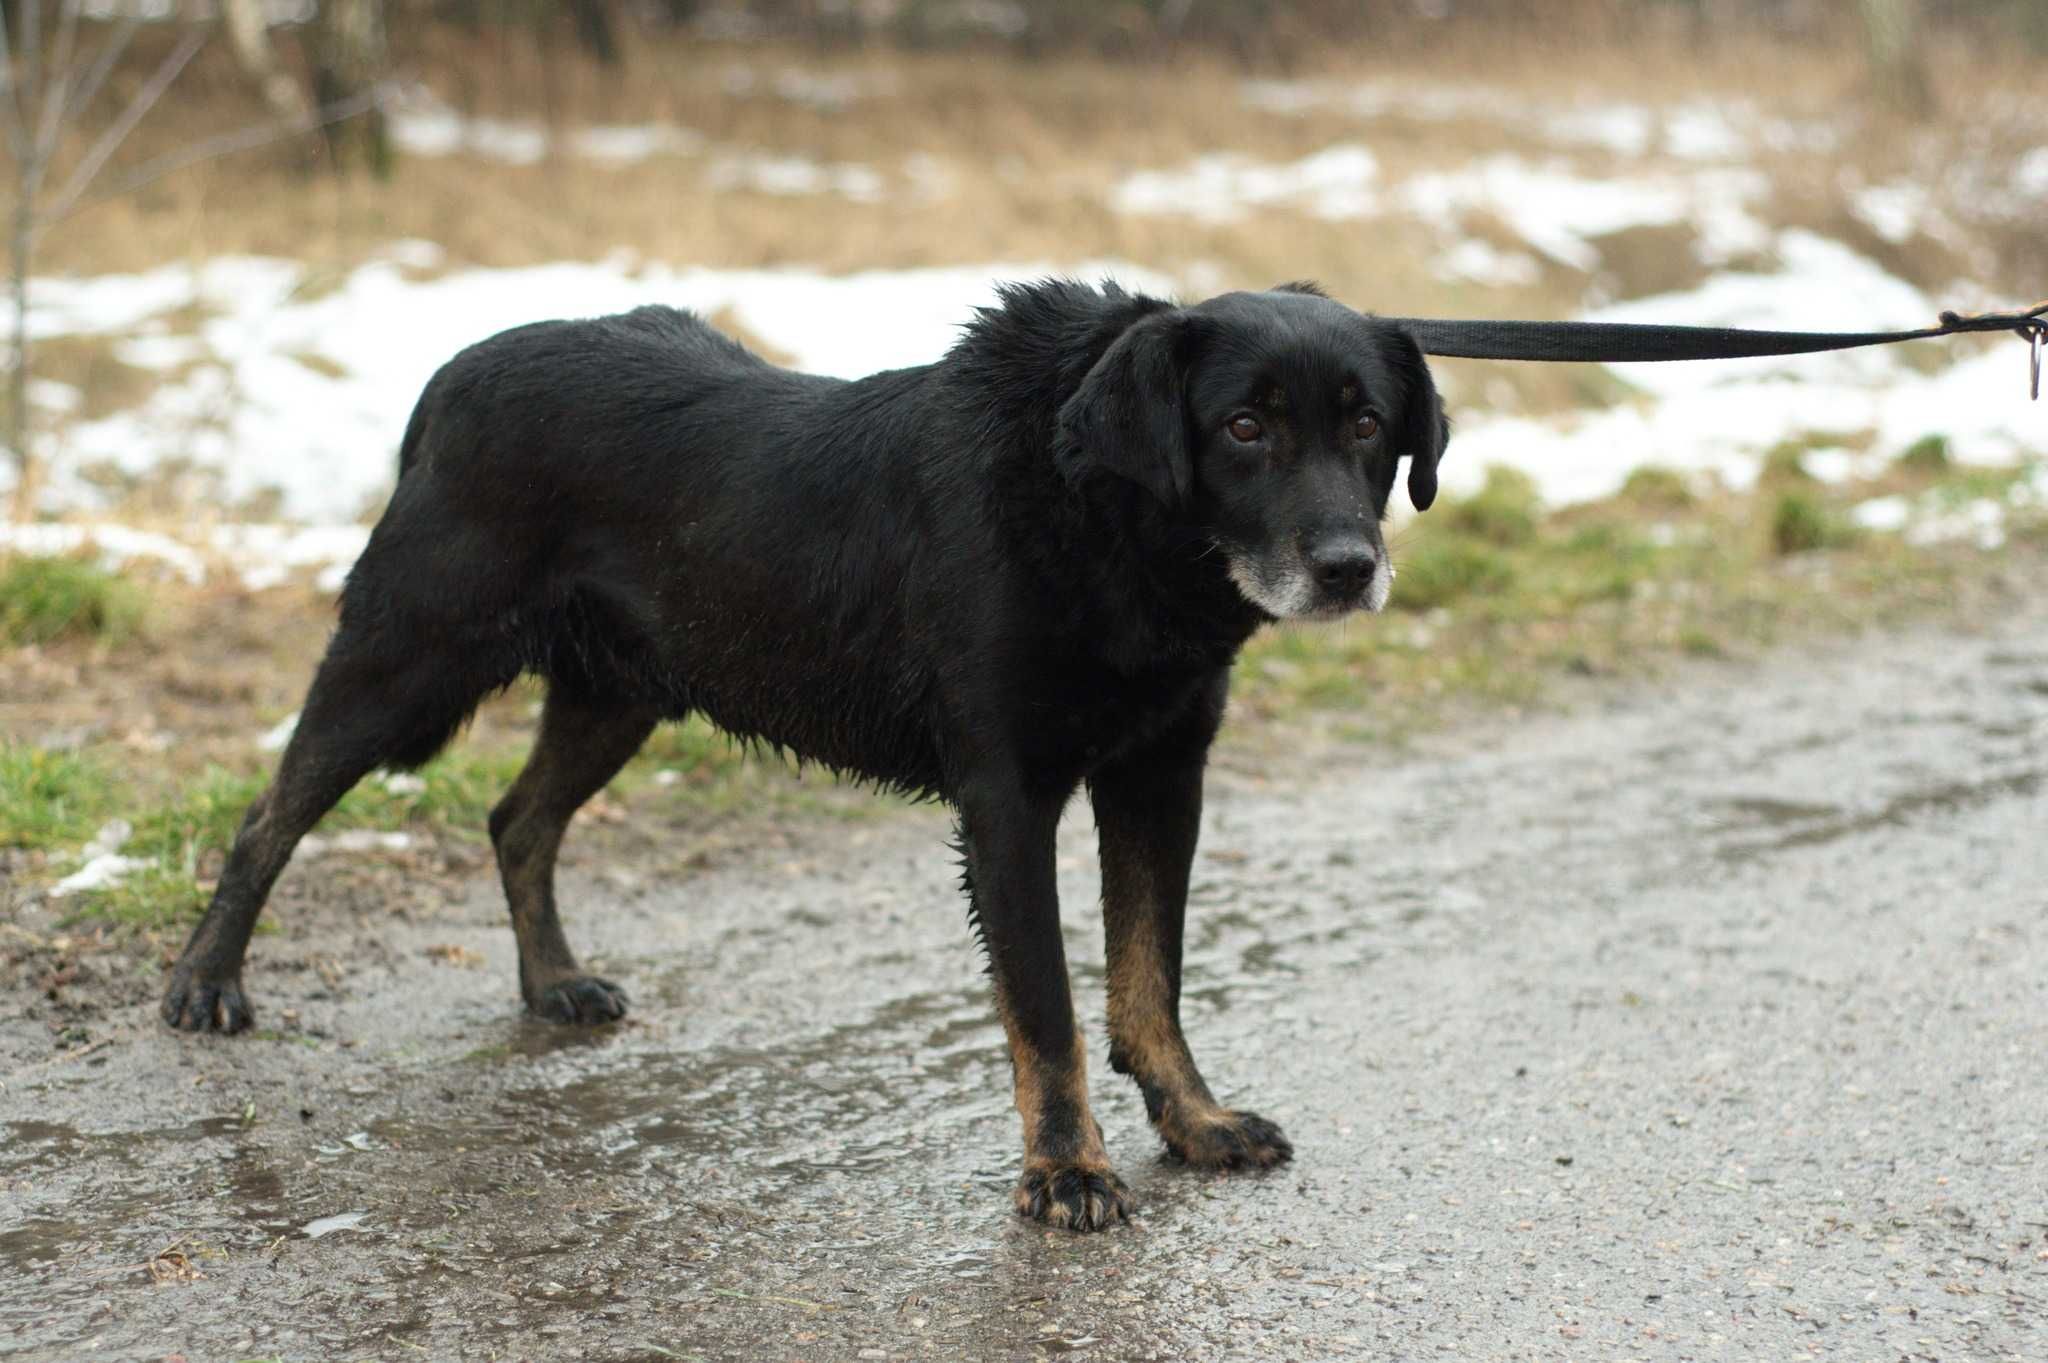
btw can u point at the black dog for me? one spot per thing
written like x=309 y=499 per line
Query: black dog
x=989 y=579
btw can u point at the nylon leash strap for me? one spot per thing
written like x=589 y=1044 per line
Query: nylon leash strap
x=1634 y=342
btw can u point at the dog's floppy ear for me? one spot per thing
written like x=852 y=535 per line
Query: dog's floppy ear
x=1424 y=430
x=1129 y=416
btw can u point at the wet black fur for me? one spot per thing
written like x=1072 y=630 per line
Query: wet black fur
x=986 y=580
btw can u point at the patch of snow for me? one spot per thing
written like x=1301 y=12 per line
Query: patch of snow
x=261 y=419
x=628 y=144
x=260 y=554
x=1883 y=514
x=930 y=178
x=402 y=782
x=99 y=305
x=113 y=547
x=414 y=253
x=1834 y=464
x=1334 y=183
x=795 y=175
x=1559 y=212
x=2031 y=490
x=2030 y=174
x=1624 y=129
x=327 y=1225
x=264 y=555
x=1894 y=211
x=276 y=736
x=101 y=872
x=1810 y=135
x=352 y=840
x=104 y=866
x=1378 y=99
x=1981 y=520
x=426 y=127
x=158 y=352
x=52 y=396
x=1481 y=262
x=1703 y=131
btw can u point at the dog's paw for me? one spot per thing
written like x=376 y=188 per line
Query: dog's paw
x=580 y=999
x=1229 y=1140
x=1073 y=1196
x=192 y=1004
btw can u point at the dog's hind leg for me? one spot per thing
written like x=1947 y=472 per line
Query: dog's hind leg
x=582 y=745
x=1148 y=811
x=371 y=704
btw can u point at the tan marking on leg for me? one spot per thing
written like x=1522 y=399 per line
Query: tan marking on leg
x=1066 y=1180
x=1146 y=1035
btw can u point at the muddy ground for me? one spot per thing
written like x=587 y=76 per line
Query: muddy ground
x=1708 y=1021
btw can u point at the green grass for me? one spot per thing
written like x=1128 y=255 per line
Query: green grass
x=1443 y=569
x=1495 y=598
x=1802 y=523
x=51 y=799
x=1927 y=456
x=1504 y=512
x=185 y=834
x=55 y=802
x=43 y=600
x=1654 y=488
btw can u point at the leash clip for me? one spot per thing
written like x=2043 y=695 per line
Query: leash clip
x=2034 y=335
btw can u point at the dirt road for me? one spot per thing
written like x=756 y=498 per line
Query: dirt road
x=1708 y=1022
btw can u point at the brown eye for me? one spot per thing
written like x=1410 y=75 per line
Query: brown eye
x=1368 y=427
x=1244 y=429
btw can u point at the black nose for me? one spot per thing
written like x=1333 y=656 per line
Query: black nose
x=1343 y=567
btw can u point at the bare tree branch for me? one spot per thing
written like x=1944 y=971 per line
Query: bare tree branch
x=110 y=140
x=10 y=107
x=31 y=64
x=57 y=81
x=213 y=148
x=102 y=67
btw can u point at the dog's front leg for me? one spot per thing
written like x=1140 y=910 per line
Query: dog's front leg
x=1007 y=835
x=1148 y=812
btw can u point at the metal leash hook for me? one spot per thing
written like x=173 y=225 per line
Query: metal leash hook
x=2030 y=325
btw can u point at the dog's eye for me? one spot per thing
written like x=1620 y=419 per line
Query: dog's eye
x=1368 y=427
x=1244 y=429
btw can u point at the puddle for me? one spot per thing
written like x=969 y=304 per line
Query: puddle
x=1898 y=811
x=327 y=1225
x=1751 y=809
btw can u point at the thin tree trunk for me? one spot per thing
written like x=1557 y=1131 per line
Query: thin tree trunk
x=249 y=35
x=349 y=59
x=20 y=258
x=1898 y=67
x=595 y=30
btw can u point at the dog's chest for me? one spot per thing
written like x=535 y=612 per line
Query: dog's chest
x=1086 y=714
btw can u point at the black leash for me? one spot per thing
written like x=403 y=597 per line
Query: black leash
x=1631 y=342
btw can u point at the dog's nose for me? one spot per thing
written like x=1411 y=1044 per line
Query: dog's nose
x=1343 y=567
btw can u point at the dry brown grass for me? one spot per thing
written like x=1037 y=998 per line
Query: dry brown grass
x=1031 y=146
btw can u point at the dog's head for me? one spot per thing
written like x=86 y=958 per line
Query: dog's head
x=1276 y=422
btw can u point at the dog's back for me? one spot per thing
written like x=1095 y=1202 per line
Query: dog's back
x=612 y=502
x=654 y=356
